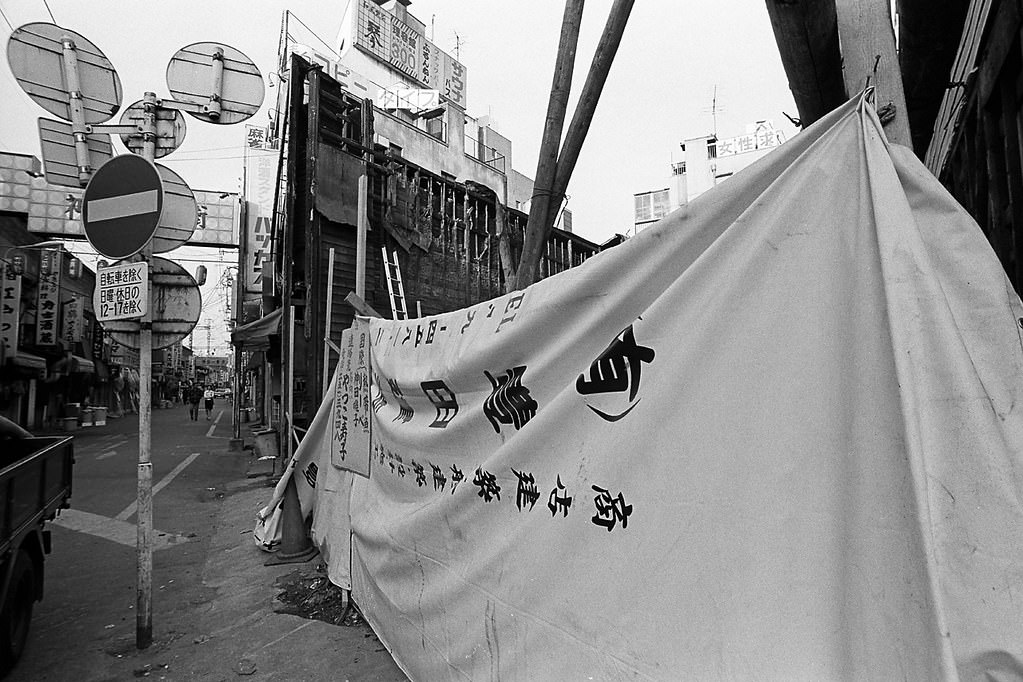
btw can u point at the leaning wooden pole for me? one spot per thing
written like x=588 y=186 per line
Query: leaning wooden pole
x=536 y=232
x=604 y=55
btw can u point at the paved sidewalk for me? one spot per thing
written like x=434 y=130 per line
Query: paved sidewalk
x=238 y=634
x=229 y=629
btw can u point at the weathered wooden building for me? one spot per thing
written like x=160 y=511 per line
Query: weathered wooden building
x=443 y=230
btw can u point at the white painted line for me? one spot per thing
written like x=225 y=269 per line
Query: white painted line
x=209 y=434
x=115 y=530
x=109 y=453
x=123 y=206
x=130 y=510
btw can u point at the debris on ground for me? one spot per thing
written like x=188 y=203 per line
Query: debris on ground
x=308 y=593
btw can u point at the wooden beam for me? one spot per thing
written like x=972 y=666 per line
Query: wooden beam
x=360 y=306
x=806 y=32
x=869 y=58
x=536 y=230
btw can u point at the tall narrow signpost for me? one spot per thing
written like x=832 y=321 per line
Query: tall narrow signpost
x=121 y=210
x=123 y=207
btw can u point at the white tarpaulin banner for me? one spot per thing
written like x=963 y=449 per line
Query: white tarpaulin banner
x=773 y=436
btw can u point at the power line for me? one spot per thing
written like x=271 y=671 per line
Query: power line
x=47 y=5
x=7 y=20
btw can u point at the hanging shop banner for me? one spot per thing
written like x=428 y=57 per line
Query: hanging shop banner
x=73 y=322
x=774 y=435
x=10 y=311
x=48 y=298
x=260 y=181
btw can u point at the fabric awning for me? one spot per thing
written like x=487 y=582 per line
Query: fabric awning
x=256 y=335
x=82 y=365
x=28 y=361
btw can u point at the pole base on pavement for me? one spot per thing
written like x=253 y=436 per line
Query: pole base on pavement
x=236 y=444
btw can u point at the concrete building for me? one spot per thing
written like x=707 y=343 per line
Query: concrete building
x=706 y=161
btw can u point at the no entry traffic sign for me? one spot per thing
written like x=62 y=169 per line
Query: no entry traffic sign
x=122 y=205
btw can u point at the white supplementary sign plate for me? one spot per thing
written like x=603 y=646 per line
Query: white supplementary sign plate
x=121 y=292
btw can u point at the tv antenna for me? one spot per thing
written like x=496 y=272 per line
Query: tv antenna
x=713 y=109
x=459 y=41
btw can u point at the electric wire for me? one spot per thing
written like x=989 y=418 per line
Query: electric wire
x=8 y=21
x=48 y=11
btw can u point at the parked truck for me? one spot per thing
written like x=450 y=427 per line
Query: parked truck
x=35 y=482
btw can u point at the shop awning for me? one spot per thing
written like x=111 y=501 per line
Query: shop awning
x=82 y=365
x=256 y=335
x=28 y=361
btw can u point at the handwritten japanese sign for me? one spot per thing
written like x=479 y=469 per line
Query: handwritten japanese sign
x=350 y=440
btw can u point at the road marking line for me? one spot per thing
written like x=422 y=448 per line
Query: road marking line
x=112 y=449
x=115 y=530
x=209 y=434
x=130 y=510
x=123 y=206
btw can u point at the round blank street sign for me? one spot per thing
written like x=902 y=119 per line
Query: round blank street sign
x=170 y=129
x=35 y=53
x=191 y=77
x=180 y=212
x=122 y=205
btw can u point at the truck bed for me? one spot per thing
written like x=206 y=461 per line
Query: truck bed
x=35 y=481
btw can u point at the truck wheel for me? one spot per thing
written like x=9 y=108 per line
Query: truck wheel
x=17 y=611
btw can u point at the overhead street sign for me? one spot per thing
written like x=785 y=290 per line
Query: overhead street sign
x=122 y=205
x=36 y=54
x=122 y=292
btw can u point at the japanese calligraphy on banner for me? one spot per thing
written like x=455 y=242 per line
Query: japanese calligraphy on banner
x=10 y=311
x=392 y=41
x=74 y=321
x=48 y=298
x=350 y=444
x=708 y=450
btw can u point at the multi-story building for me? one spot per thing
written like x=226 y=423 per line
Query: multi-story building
x=706 y=161
x=441 y=196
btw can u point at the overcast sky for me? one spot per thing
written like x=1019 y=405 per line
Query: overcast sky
x=660 y=90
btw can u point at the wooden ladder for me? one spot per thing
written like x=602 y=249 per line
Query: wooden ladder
x=395 y=289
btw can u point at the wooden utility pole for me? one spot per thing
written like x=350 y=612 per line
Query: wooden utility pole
x=601 y=66
x=867 y=38
x=554 y=172
x=536 y=234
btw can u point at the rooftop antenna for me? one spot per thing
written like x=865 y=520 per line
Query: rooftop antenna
x=714 y=109
x=458 y=44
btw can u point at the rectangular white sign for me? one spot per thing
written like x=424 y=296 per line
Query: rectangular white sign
x=48 y=299
x=121 y=292
x=350 y=442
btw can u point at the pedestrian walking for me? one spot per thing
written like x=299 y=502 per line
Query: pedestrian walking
x=194 y=396
x=208 y=396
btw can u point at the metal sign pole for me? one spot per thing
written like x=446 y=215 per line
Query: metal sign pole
x=144 y=597
x=77 y=111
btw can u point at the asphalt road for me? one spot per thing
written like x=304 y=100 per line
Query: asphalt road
x=88 y=611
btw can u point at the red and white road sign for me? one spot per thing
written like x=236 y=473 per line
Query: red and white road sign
x=122 y=205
